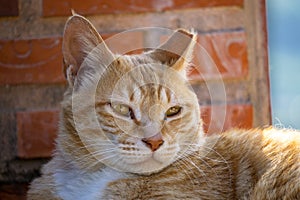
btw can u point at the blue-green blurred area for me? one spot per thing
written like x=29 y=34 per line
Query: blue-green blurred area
x=284 y=58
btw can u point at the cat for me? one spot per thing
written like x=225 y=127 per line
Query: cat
x=130 y=128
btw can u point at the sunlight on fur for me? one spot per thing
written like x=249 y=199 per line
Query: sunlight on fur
x=130 y=128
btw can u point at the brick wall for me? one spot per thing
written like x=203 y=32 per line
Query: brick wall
x=234 y=94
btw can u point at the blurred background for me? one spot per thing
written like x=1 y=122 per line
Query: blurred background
x=284 y=60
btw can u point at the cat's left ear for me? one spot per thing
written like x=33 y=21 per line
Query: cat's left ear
x=79 y=40
x=177 y=51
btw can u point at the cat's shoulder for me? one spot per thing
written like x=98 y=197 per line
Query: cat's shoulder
x=270 y=133
x=256 y=140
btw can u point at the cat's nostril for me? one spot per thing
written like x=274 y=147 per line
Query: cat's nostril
x=153 y=142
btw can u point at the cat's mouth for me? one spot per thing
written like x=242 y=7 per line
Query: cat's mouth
x=151 y=159
x=139 y=158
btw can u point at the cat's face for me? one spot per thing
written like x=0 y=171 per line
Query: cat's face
x=133 y=113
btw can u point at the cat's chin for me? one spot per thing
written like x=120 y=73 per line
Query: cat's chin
x=147 y=167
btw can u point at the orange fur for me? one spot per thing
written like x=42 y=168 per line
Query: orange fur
x=130 y=128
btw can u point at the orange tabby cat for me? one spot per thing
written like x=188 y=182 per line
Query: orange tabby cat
x=130 y=128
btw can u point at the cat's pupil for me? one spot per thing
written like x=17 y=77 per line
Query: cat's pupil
x=131 y=114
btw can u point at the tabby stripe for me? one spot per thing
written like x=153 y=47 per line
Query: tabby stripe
x=109 y=119
x=159 y=91
x=168 y=94
x=105 y=114
x=142 y=92
x=108 y=124
x=131 y=98
x=100 y=104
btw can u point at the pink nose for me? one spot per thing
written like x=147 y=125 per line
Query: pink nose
x=153 y=142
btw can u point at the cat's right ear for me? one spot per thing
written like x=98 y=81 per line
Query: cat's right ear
x=177 y=51
x=79 y=39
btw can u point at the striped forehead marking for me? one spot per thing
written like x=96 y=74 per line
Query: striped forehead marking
x=153 y=91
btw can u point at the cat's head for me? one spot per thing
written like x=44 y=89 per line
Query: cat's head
x=134 y=113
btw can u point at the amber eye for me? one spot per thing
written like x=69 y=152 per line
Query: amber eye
x=174 y=110
x=123 y=109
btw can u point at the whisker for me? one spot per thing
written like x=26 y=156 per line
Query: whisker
x=223 y=160
x=187 y=170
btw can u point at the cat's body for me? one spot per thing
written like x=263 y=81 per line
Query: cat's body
x=130 y=129
x=237 y=165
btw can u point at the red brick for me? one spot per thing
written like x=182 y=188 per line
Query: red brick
x=13 y=191
x=226 y=117
x=91 y=7
x=227 y=50
x=31 y=61
x=219 y=55
x=40 y=60
x=130 y=42
x=9 y=8
x=36 y=131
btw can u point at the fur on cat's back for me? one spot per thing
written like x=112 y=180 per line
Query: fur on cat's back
x=130 y=128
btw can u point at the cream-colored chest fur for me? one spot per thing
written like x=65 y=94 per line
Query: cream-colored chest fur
x=75 y=184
